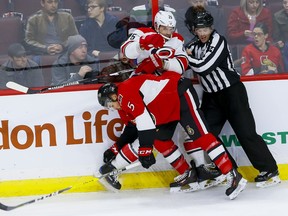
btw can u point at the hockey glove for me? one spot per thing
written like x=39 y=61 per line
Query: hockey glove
x=146 y=157
x=151 y=41
x=150 y=64
x=110 y=153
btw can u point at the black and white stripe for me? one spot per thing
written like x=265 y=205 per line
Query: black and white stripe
x=213 y=62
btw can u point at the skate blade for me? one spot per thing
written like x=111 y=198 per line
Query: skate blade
x=109 y=187
x=241 y=186
x=271 y=182
x=186 y=188
x=212 y=182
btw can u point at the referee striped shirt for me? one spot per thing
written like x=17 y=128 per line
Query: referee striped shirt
x=213 y=63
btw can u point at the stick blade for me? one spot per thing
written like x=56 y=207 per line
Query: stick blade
x=4 y=207
x=122 y=72
x=20 y=88
x=17 y=87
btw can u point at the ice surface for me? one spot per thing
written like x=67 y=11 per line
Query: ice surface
x=211 y=202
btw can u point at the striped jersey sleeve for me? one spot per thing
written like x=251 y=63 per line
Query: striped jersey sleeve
x=213 y=63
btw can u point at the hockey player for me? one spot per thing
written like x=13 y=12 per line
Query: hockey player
x=144 y=45
x=225 y=97
x=161 y=49
x=146 y=100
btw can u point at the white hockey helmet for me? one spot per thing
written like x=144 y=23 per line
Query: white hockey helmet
x=164 y=18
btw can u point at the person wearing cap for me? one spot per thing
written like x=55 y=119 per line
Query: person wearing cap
x=74 y=64
x=225 y=97
x=20 y=69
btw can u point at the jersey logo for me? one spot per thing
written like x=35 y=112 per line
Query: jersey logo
x=164 y=52
x=190 y=130
x=120 y=98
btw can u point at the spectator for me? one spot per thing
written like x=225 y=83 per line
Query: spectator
x=215 y=11
x=20 y=69
x=143 y=13
x=280 y=31
x=48 y=29
x=243 y=19
x=97 y=27
x=75 y=64
x=261 y=57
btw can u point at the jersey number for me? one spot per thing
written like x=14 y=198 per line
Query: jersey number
x=131 y=106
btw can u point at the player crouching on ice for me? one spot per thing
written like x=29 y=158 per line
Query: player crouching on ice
x=143 y=100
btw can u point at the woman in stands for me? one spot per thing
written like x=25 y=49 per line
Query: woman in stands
x=261 y=57
x=242 y=20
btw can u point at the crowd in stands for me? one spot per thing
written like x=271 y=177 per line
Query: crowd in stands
x=256 y=31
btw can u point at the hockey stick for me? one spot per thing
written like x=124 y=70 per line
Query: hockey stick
x=20 y=88
x=9 y=208
x=118 y=171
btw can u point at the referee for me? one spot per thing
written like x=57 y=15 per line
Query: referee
x=225 y=97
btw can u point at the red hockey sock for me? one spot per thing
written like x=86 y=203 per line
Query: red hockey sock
x=172 y=154
x=216 y=152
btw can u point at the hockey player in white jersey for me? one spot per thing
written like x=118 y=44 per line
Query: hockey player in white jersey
x=160 y=49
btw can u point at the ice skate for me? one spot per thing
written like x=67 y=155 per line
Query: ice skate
x=267 y=179
x=110 y=181
x=235 y=183
x=209 y=175
x=187 y=182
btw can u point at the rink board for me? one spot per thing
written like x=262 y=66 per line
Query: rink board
x=54 y=140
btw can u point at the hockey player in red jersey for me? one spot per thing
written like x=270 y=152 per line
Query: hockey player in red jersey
x=166 y=124
x=146 y=100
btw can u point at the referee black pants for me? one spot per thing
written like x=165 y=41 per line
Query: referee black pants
x=232 y=104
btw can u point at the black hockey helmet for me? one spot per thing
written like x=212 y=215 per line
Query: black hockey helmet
x=198 y=17
x=104 y=93
x=203 y=19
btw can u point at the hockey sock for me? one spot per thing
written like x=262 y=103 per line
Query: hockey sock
x=196 y=153
x=172 y=154
x=215 y=151
x=127 y=155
